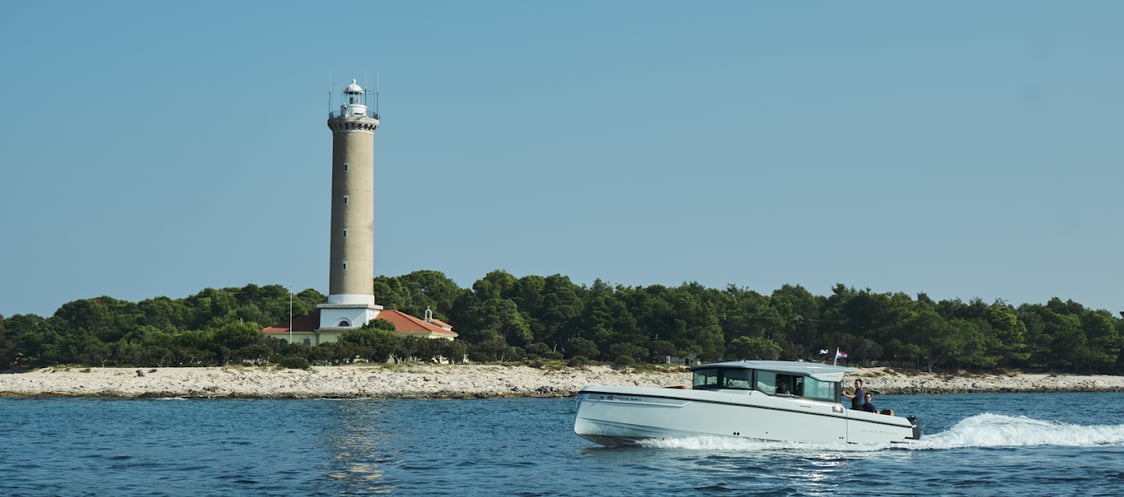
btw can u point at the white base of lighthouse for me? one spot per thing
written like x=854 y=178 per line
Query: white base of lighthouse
x=350 y=299
x=344 y=316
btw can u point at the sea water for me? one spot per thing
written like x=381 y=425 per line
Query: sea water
x=976 y=444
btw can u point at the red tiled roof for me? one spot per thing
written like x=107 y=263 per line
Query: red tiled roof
x=403 y=323
x=441 y=323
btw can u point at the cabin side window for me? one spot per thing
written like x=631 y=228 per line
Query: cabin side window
x=739 y=379
x=712 y=378
x=705 y=378
x=790 y=384
x=774 y=383
x=822 y=390
x=767 y=382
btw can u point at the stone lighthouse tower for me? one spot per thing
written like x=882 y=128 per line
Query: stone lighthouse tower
x=351 y=299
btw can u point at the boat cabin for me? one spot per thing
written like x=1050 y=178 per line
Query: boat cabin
x=778 y=378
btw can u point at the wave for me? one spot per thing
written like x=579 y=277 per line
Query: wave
x=979 y=431
x=997 y=430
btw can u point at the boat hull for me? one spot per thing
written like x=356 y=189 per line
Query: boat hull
x=615 y=416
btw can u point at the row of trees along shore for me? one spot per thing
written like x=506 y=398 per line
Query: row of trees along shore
x=536 y=318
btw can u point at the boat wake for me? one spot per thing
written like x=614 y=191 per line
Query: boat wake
x=996 y=430
x=981 y=430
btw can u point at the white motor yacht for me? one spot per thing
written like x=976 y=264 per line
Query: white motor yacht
x=758 y=400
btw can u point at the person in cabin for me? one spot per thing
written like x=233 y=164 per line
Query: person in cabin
x=782 y=388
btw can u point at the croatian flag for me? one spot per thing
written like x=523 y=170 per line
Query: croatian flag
x=839 y=354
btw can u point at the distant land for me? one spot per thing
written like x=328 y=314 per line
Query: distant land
x=465 y=381
x=504 y=318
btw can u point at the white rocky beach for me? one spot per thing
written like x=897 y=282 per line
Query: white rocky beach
x=463 y=381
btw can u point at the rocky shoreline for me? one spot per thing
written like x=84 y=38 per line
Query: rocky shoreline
x=463 y=381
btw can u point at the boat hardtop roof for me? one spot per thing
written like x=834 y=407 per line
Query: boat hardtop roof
x=822 y=372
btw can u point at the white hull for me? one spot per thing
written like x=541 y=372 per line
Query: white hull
x=624 y=415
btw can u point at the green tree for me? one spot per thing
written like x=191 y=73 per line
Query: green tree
x=933 y=337
x=372 y=343
x=489 y=347
x=561 y=303
x=758 y=348
x=1009 y=333
x=541 y=350
x=499 y=315
x=1038 y=347
x=380 y=324
x=655 y=317
x=606 y=319
x=584 y=347
x=453 y=350
x=428 y=290
x=7 y=347
x=494 y=285
x=1068 y=343
x=634 y=352
x=96 y=317
x=970 y=345
x=696 y=327
x=1104 y=340
x=799 y=313
x=528 y=294
x=391 y=292
x=162 y=313
x=212 y=308
x=232 y=337
x=746 y=313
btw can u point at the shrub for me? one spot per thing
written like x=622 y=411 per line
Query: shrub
x=624 y=361
x=538 y=349
x=294 y=362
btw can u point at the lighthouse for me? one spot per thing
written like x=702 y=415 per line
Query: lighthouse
x=351 y=295
x=351 y=298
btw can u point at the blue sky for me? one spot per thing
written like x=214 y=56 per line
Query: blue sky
x=960 y=149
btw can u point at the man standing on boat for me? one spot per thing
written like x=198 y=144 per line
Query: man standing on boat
x=857 y=396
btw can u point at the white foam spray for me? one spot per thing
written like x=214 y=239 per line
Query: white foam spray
x=997 y=430
x=981 y=430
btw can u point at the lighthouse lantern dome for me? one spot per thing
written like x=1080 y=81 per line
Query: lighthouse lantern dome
x=353 y=94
